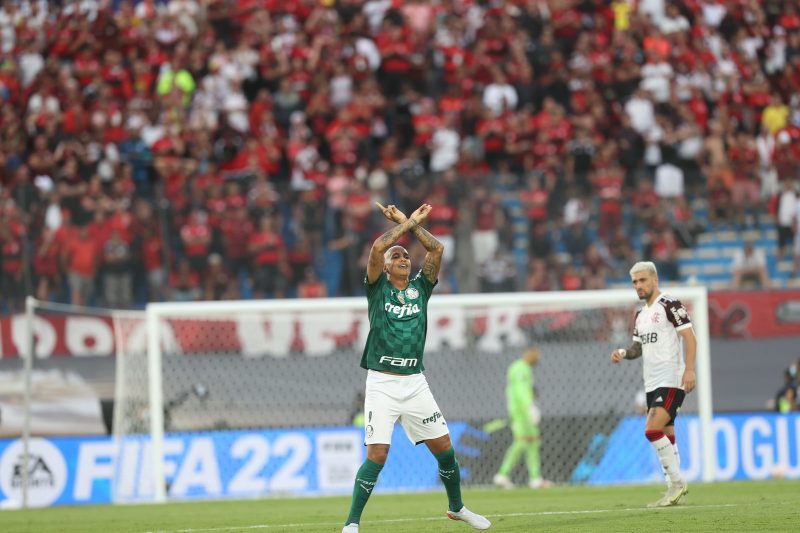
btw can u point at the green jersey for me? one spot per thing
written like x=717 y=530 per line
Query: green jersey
x=398 y=325
x=519 y=389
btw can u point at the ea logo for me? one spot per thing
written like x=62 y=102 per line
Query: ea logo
x=47 y=472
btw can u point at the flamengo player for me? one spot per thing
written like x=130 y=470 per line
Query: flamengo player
x=662 y=329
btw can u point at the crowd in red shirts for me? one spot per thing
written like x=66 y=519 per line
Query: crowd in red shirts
x=234 y=148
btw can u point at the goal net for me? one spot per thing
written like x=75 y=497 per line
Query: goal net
x=57 y=388
x=280 y=380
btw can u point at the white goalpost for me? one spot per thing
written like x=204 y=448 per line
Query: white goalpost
x=295 y=363
x=66 y=369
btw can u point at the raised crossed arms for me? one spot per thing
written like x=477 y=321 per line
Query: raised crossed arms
x=433 y=259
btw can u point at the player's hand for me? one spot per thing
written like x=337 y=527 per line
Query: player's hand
x=392 y=213
x=421 y=214
x=689 y=380
x=617 y=355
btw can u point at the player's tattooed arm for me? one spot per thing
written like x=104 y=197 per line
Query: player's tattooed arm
x=634 y=351
x=433 y=259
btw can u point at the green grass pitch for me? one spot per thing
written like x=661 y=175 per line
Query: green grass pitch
x=736 y=506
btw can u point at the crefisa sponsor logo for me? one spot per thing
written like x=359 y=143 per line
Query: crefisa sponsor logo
x=46 y=470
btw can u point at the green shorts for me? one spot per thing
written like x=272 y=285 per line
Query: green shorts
x=523 y=428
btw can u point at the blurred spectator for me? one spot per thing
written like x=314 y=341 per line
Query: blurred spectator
x=153 y=254
x=577 y=241
x=776 y=115
x=300 y=257
x=746 y=189
x=608 y=185
x=539 y=276
x=540 y=245
x=500 y=96
x=749 y=268
x=570 y=279
x=669 y=182
x=268 y=255
x=45 y=264
x=174 y=79
x=535 y=200
x=12 y=255
x=184 y=283
x=442 y=224
x=117 y=278
x=488 y=217
x=786 y=397
x=196 y=240
x=664 y=252
x=720 y=208
x=620 y=249
x=498 y=273
x=218 y=284
x=787 y=402
x=786 y=216
x=349 y=244
x=595 y=268
x=311 y=286
x=683 y=222
x=645 y=203
x=641 y=112
x=445 y=145
x=80 y=256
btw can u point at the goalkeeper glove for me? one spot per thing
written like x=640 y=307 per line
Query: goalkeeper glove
x=534 y=415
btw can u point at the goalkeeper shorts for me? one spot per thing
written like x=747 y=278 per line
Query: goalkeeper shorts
x=522 y=428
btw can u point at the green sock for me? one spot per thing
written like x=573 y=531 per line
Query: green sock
x=451 y=477
x=512 y=456
x=366 y=478
x=532 y=458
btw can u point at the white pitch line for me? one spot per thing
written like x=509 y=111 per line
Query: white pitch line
x=438 y=518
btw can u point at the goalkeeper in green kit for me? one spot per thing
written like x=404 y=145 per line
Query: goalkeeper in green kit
x=524 y=418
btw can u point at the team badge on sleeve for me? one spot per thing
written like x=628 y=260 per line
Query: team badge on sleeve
x=680 y=315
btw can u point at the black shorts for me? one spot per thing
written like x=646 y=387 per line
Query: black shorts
x=268 y=279
x=667 y=398
x=785 y=236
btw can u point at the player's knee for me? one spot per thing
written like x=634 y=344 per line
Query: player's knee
x=439 y=444
x=653 y=434
x=378 y=453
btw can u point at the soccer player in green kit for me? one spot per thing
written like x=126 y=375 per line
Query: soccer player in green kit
x=524 y=418
x=396 y=389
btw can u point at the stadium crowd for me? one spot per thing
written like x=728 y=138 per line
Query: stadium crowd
x=234 y=148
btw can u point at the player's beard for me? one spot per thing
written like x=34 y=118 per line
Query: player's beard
x=645 y=296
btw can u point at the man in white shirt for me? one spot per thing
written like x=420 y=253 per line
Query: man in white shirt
x=641 y=111
x=749 y=267
x=445 y=145
x=787 y=213
x=673 y=21
x=500 y=96
x=662 y=331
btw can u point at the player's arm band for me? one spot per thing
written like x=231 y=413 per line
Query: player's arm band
x=634 y=352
